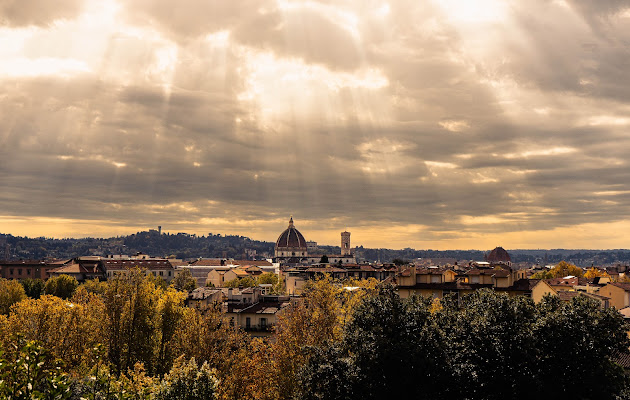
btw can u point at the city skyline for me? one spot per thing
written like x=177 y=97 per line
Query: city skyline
x=423 y=124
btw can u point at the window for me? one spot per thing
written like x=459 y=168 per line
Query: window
x=11 y=271
x=263 y=323
x=28 y=271
x=248 y=323
x=474 y=279
x=161 y=273
x=169 y=273
x=19 y=271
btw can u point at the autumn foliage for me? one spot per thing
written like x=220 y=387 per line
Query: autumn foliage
x=133 y=338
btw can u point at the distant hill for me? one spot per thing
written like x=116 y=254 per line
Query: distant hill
x=187 y=246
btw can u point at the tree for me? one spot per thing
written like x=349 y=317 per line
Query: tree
x=11 y=292
x=171 y=314
x=324 y=259
x=564 y=268
x=241 y=282
x=33 y=287
x=391 y=347
x=132 y=320
x=542 y=275
x=575 y=343
x=69 y=330
x=313 y=322
x=188 y=381
x=595 y=272
x=61 y=286
x=184 y=281
x=95 y=286
x=29 y=372
x=268 y=278
x=487 y=345
x=492 y=349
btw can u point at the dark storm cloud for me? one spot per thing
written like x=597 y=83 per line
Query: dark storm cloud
x=17 y=13
x=529 y=130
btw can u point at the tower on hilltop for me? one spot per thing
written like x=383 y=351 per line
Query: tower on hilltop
x=345 y=243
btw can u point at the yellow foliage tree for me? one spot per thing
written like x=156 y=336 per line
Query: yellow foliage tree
x=315 y=320
x=595 y=272
x=564 y=268
x=11 y=292
x=70 y=329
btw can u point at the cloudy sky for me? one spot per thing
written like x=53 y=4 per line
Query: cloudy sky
x=443 y=124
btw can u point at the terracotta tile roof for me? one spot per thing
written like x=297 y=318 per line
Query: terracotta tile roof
x=624 y=286
x=265 y=307
x=76 y=268
x=202 y=293
x=431 y=271
x=253 y=263
x=562 y=281
x=22 y=263
x=491 y=272
x=179 y=263
x=622 y=359
x=565 y=295
x=210 y=262
x=116 y=265
x=329 y=270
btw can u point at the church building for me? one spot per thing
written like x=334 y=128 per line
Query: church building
x=290 y=246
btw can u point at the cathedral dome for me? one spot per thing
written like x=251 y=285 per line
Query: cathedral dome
x=290 y=238
x=290 y=244
x=499 y=255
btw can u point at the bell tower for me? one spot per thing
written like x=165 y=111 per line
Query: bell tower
x=345 y=243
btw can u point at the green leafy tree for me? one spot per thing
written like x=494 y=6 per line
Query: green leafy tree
x=29 y=372
x=62 y=286
x=491 y=348
x=188 y=381
x=576 y=340
x=11 y=292
x=542 y=275
x=184 y=281
x=241 y=282
x=487 y=345
x=391 y=347
x=268 y=278
x=33 y=287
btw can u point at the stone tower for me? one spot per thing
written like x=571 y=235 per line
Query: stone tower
x=345 y=243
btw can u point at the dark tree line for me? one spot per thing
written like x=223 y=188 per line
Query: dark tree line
x=489 y=347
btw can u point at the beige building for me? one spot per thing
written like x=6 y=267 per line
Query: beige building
x=542 y=288
x=254 y=312
x=619 y=294
x=204 y=297
x=439 y=281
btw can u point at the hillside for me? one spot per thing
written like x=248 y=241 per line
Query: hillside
x=189 y=246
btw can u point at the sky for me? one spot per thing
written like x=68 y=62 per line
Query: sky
x=431 y=124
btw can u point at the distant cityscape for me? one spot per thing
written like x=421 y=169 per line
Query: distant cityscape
x=191 y=246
